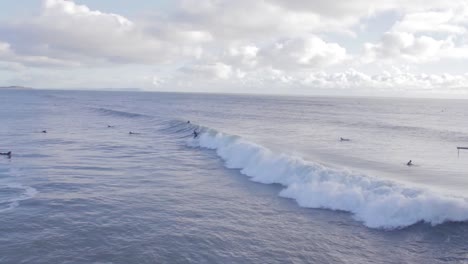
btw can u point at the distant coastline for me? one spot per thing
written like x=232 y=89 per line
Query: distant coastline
x=15 y=87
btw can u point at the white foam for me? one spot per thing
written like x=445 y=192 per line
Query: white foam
x=377 y=203
x=13 y=202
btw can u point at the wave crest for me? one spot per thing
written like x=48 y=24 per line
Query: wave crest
x=375 y=202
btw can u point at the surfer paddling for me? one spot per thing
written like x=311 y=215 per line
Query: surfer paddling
x=410 y=163
x=8 y=154
x=344 y=139
x=195 y=134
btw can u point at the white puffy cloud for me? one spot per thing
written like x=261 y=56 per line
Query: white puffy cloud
x=406 y=46
x=400 y=47
x=9 y=55
x=214 y=71
x=256 y=20
x=395 y=82
x=269 y=63
x=67 y=31
x=389 y=80
x=244 y=55
x=307 y=52
x=453 y=21
x=424 y=35
x=244 y=19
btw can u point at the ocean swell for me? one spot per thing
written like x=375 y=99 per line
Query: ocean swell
x=375 y=202
x=111 y=112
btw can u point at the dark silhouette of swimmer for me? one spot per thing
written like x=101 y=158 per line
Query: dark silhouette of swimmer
x=133 y=133
x=195 y=134
x=410 y=163
x=6 y=154
x=109 y=126
x=344 y=139
x=44 y=131
x=188 y=122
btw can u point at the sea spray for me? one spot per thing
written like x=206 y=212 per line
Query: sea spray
x=375 y=202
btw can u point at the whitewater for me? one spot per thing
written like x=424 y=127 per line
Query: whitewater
x=378 y=203
x=89 y=191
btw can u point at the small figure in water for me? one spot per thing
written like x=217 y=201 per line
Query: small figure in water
x=410 y=163
x=195 y=134
x=133 y=133
x=344 y=139
x=6 y=154
x=109 y=126
x=44 y=131
x=188 y=122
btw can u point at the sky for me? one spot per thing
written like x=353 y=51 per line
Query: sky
x=300 y=47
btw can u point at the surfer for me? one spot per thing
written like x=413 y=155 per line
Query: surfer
x=344 y=139
x=44 y=131
x=133 y=133
x=109 y=126
x=6 y=154
x=195 y=134
x=188 y=122
x=410 y=163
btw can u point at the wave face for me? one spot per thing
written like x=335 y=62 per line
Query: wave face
x=111 y=112
x=375 y=202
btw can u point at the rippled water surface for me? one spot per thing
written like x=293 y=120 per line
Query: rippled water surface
x=85 y=192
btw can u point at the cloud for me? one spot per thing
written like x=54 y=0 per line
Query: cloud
x=395 y=80
x=253 y=44
x=395 y=47
x=305 y=52
x=7 y=54
x=225 y=78
x=308 y=52
x=253 y=20
x=405 y=46
x=245 y=20
x=424 y=36
x=451 y=21
x=67 y=31
x=214 y=71
x=242 y=55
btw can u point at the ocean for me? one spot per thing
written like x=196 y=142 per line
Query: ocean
x=266 y=180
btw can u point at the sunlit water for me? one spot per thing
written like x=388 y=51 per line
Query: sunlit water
x=87 y=193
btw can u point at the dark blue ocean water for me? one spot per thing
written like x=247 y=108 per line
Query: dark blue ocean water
x=87 y=193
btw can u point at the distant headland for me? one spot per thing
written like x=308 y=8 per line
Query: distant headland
x=15 y=87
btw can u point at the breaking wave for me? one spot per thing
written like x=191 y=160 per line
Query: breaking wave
x=375 y=202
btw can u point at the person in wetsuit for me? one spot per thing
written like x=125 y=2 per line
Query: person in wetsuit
x=6 y=154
